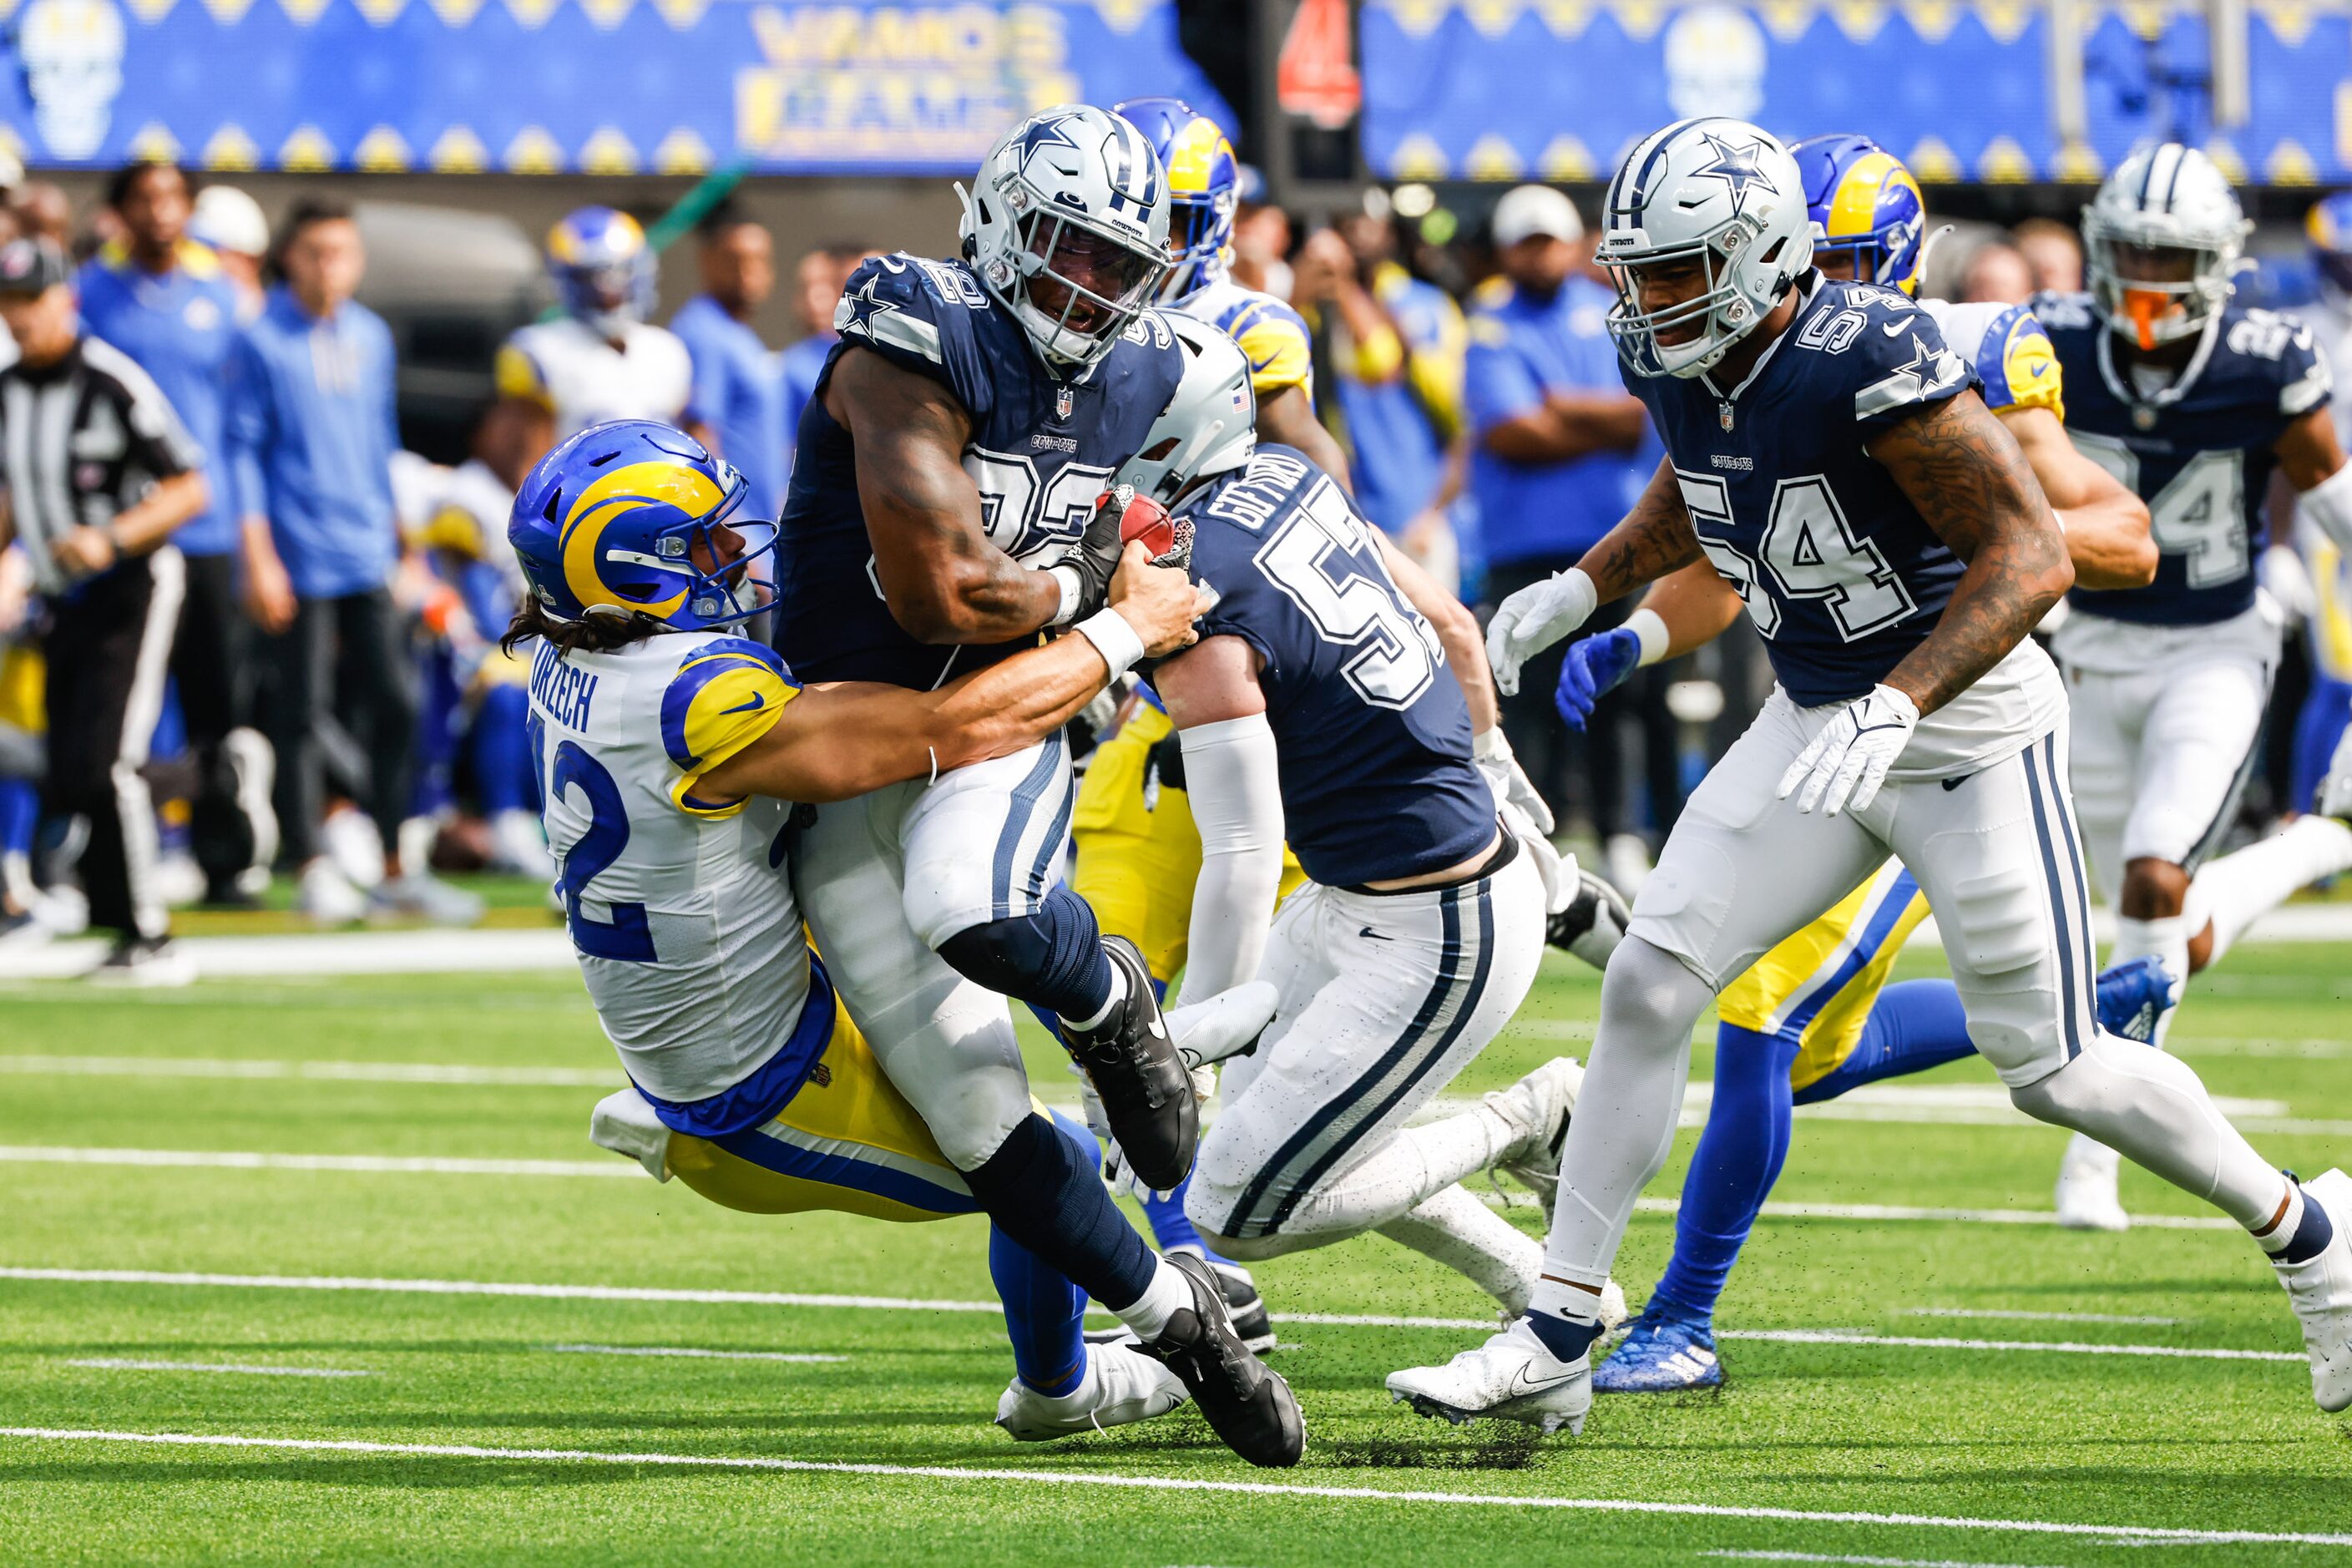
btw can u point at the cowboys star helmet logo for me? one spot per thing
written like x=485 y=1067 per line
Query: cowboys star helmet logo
x=1044 y=131
x=1736 y=165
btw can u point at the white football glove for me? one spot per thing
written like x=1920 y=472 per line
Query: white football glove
x=1491 y=750
x=1534 y=618
x=1848 y=760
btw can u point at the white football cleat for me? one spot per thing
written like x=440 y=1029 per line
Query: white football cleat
x=325 y=895
x=517 y=846
x=1121 y=1385
x=2321 y=1289
x=1538 y=1107
x=1511 y=1377
x=2086 y=1187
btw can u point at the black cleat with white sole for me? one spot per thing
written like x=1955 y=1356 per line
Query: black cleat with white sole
x=1251 y=1320
x=1247 y=1402
x=1144 y=1090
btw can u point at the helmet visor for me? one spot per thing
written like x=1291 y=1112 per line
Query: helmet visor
x=1666 y=299
x=1082 y=281
x=2152 y=292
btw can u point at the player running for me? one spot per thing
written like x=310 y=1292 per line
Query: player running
x=1828 y=453
x=1319 y=708
x=1815 y=1018
x=2194 y=401
x=601 y=359
x=669 y=748
x=943 y=513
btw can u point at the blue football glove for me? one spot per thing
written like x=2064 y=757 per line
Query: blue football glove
x=1594 y=667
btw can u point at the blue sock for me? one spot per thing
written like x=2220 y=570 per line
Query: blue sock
x=1045 y=1313
x=1913 y=1026
x=2311 y=1238
x=1732 y=1170
x=1053 y=959
x=502 y=749
x=1043 y=1189
x=1565 y=1339
x=20 y=812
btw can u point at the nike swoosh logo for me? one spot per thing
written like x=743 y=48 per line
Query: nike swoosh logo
x=1374 y=935
x=1522 y=1384
x=753 y=706
x=1897 y=328
x=1951 y=784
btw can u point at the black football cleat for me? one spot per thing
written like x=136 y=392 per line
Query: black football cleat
x=1145 y=1091
x=1593 y=923
x=1247 y=1402
x=1248 y=1307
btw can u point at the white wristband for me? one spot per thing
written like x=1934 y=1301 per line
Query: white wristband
x=1114 y=639
x=1072 y=588
x=1651 y=629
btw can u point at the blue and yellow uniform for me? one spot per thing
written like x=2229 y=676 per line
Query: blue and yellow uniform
x=681 y=904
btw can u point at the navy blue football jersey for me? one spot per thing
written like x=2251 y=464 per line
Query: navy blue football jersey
x=1837 y=568
x=1042 y=451
x=2197 y=451
x=1371 y=730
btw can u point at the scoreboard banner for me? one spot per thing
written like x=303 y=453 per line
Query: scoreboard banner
x=1510 y=90
x=614 y=87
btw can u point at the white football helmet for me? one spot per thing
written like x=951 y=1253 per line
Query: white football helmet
x=1718 y=192
x=1209 y=427
x=1068 y=227
x=2163 y=198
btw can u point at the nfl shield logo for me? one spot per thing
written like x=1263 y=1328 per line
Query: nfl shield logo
x=1064 y=400
x=1722 y=415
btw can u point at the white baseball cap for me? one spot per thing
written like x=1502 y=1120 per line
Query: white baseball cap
x=227 y=219
x=1530 y=210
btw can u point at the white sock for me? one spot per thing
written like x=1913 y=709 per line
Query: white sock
x=1624 y=1122
x=2234 y=890
x=1167 y=1294
x=2153 y=1109
x=1457 y=1230
x=2168 y=938
x=1118 y=994
x=1404 y=1171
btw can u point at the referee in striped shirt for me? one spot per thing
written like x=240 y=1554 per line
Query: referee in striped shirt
x=97 y=471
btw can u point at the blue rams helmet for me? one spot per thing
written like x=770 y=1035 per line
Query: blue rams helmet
x=1205 y=181
x=2329 y=226
x=602 y=267
x=611 y=522
x=1863 y=203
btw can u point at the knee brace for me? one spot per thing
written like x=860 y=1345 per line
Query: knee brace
x=1052 y=958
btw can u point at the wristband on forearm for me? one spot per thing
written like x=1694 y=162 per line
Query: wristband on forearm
x=1114 y=639
x=1650 y=628
x=1073 y=591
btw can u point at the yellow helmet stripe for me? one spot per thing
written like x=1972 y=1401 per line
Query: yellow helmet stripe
x=609 y=496
x=1192 y=155
x=1854 y=208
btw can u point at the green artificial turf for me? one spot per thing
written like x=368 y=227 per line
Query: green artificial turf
x=1970 y=1432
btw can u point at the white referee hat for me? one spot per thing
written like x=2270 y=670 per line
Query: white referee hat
x=227 y=219
x=1531 y=210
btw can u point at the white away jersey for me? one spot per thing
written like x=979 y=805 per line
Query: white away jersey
x=567 y=367
x=681 y=908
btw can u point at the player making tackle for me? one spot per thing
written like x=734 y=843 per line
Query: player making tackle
x=943 y=512
x=1829 y=455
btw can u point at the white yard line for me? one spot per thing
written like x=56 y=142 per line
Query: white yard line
x=436 y=1165
x=325 y=1071
x=376 y=1164
x=329 y=952
x=1177 y=1484
x=900 y=1303
x=2035 y=1317
x=127 y=1364
x=688 y=1352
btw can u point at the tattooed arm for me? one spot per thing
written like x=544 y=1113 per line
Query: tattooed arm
x=1971 y=482
x=1652 y=541
x=945 y=582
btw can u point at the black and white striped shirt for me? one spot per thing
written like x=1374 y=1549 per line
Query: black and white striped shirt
x=82 y=440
